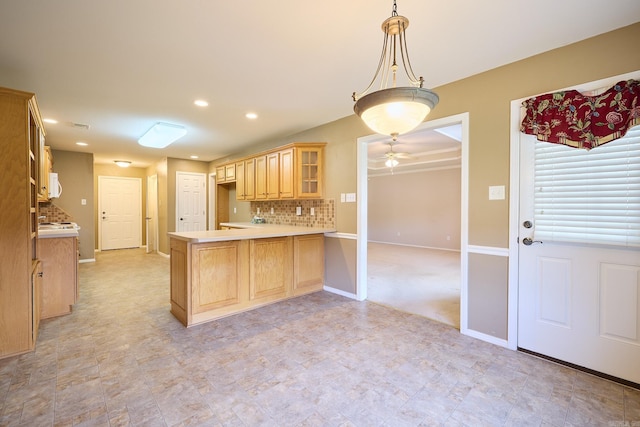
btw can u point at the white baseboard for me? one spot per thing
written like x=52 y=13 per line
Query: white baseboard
x=340 y=292
x=82 y=261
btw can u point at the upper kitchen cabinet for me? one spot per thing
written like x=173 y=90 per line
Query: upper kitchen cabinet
x=226 y=173
x=21 y=136
x=309 y=171
x=46 y=167
x=246 y=179
x=294 y=171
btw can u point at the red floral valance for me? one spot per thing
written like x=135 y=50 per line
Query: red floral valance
x=581 y=121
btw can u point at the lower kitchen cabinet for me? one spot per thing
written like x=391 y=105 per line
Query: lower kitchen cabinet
x=59 y=257
x=211 y=280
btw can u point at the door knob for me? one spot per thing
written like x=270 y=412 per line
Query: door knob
x=528 y=241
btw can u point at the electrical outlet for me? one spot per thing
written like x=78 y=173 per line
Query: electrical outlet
x=298 y=210
x=312 y=211
x=258 y=211
x=272 y=211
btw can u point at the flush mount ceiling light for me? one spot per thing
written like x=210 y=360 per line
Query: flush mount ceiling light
x=122 y=163
x=393 y=110
x=162 y=134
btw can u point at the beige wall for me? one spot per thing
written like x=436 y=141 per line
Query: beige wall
x=130 y=172
x=417 y=208
x=75 y=173
x=340 y=268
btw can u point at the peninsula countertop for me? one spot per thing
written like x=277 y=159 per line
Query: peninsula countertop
x=247 y=230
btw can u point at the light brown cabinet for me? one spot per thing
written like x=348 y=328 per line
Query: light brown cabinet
x=267 y=176
x=226 y=173
x=308 y=263
x=59 y=258
x=21 y=133
x=309 y=171
x=271 y=267
x=216 y=279
x=246 y=180
x=286 y=175
x=294 y=171
x=46 y=167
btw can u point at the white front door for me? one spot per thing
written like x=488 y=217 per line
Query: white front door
x=578 y=302
x=119 y=212
x=191 y=212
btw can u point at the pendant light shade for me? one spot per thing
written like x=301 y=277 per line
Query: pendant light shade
x=397 y=110
x=394 y=110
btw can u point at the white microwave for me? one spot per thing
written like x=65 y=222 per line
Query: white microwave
x=55 y=189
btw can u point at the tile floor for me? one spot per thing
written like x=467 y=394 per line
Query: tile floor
x=416 y=280
x=121 y=359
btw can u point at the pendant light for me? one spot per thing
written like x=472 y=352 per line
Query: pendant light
x=394 y=110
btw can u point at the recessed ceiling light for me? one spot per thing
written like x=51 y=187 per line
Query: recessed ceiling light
x=194 y=157
x=82 y=144
x=52 y=121
x=201 y=103
x=251 y=116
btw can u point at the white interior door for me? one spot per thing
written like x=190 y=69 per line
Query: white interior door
x=152 y=214
x=578 y=302
x=120 y=212
x=191 y=212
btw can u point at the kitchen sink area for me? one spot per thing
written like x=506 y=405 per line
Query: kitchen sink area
x=58 y=229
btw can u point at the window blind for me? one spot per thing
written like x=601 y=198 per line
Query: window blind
x=589 y=196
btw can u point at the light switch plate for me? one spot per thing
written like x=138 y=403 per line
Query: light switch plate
x=351 y=197
x=312 y=211
x=496 y=192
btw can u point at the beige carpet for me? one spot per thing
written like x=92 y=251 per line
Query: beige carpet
x=416 y=280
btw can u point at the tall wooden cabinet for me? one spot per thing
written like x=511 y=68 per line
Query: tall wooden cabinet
x=21 y=142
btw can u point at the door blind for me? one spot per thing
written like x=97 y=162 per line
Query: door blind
x=589 y=197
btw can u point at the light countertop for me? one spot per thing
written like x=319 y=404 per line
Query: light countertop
x=57 y=232
x=247 y=230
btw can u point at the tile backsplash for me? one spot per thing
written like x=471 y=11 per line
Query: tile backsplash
x=53 y=213
x=284 y=212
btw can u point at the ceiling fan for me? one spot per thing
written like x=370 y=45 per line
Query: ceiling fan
x=393 y=156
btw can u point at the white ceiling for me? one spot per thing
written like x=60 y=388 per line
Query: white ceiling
x=121 y=65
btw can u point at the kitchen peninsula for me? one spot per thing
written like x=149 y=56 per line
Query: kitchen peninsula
x=222 y=272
